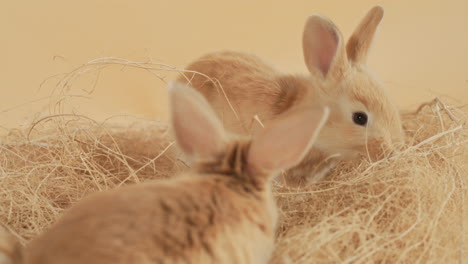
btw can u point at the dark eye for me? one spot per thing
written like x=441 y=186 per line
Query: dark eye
x=360 y=118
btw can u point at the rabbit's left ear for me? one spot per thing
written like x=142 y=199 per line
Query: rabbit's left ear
x=359 y=43
x=198 y=131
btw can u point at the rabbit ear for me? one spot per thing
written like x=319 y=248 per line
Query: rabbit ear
x=322 y=46
x=359 y=43
x=198 y=130
x=284 y=142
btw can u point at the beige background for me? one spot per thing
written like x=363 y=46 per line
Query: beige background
x=420 y=51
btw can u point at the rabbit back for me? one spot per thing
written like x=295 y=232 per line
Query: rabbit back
x=183 y=221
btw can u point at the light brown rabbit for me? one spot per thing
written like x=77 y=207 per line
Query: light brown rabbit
x=221 y=212
x=10 y=249
x=362 y=117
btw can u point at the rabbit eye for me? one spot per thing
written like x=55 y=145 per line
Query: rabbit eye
x=360 y=118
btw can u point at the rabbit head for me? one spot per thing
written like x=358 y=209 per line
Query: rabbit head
x=363 y=120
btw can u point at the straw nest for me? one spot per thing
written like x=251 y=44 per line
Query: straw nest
x=407 y=208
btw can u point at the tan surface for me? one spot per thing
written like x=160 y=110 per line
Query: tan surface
x=420 y=51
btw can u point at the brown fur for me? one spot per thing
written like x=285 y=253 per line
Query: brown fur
x=338 y=79
x=222 y=211
x=10 y=250
x=194 y=219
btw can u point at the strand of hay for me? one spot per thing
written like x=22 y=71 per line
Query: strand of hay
x=406 y=208
x=61 y=93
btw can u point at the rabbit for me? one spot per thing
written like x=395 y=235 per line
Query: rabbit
x=221 y=211
x=363 y=121
x=10 y=252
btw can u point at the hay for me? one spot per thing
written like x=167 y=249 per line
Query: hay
x=44 y=171
x=406 y=208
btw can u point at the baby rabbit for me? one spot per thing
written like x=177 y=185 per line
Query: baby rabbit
x=10 y=250
x=221 y=212
x=362 y=117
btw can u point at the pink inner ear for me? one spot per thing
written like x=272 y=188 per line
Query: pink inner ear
x=321 y=42
x=285 y=141
x=328 y=48
x=197 y=128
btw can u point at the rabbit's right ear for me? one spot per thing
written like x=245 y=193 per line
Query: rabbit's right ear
x=323 y=47
x=198 y=130
x=285 y=142
x=359 y=43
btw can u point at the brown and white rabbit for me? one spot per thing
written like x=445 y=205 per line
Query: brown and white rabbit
x=362 y=117
x=222 y=211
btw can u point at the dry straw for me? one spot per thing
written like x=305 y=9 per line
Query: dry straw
x=406 y=208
